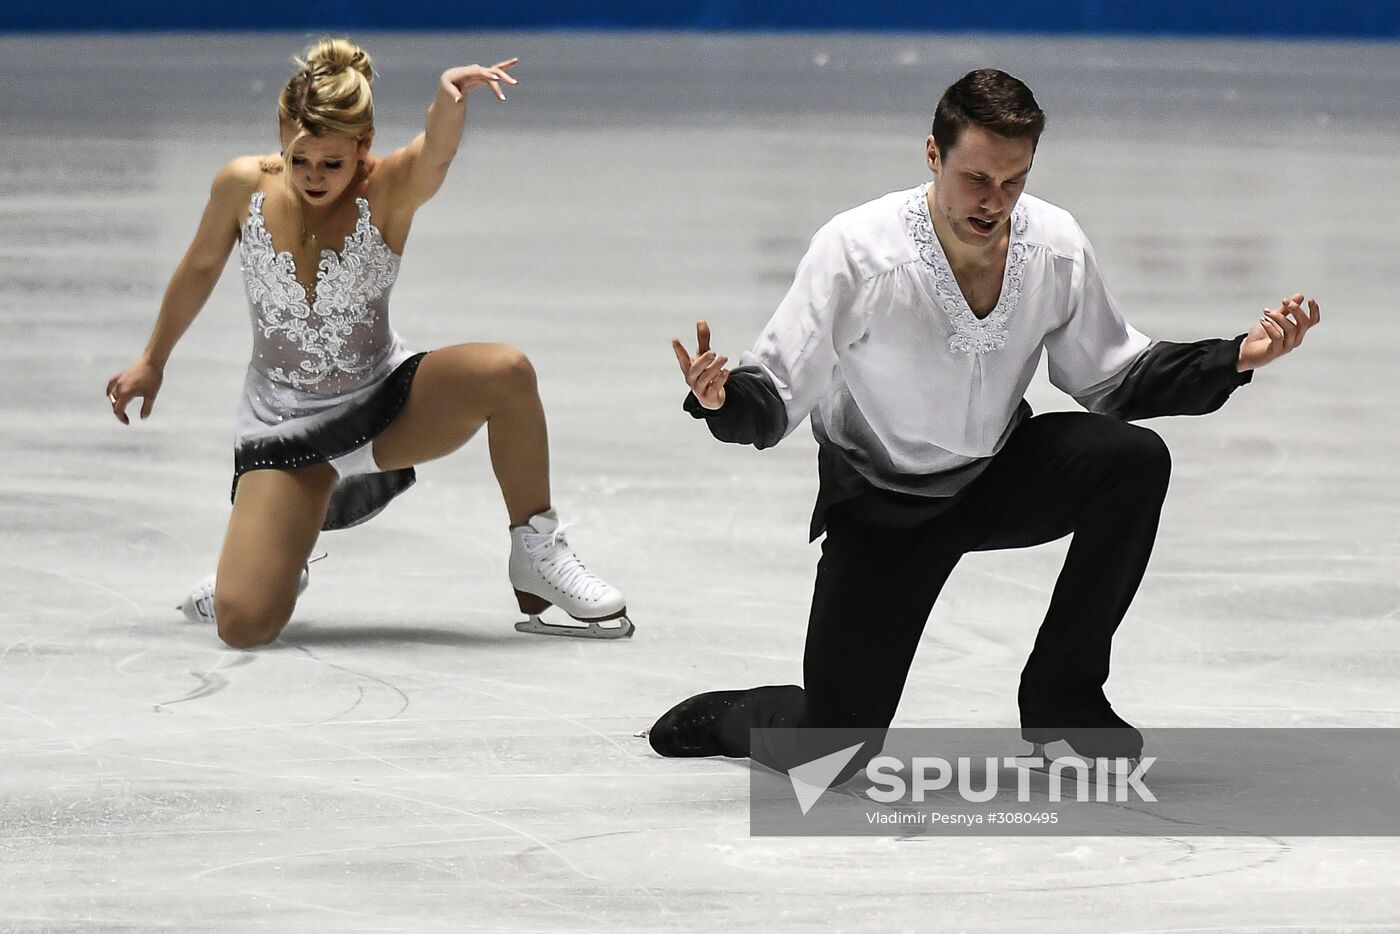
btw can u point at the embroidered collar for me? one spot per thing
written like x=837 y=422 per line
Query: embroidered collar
x=971 y=335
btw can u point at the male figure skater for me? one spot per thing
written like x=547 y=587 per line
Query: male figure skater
x=911 y=331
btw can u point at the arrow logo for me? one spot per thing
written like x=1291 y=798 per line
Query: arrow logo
x=811 y=779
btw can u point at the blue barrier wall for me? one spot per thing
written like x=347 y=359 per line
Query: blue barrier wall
x=1373 y=19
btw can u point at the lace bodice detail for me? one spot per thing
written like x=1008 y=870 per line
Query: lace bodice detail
x=330 y=340
x=971 y=335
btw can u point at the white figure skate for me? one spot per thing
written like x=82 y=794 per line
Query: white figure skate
x=198 y=607
x=545 y=572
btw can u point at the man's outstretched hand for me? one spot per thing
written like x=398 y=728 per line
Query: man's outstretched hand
x=704 y=373
x=1277 y=331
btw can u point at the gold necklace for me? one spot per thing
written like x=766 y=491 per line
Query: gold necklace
x=309 y=236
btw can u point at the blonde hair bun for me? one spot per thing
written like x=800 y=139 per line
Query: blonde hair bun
x=329 y=92
x=339 y=54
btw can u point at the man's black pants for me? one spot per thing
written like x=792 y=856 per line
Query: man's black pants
x=1092 y=476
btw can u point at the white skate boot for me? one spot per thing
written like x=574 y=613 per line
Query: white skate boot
x=198 y=607
x=545 y=571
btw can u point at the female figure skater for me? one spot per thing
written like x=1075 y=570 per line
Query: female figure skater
x=336 y=411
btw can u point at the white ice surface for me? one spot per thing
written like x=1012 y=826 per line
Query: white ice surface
x=402 y=759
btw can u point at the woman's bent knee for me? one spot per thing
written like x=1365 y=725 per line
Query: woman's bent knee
x=503 y=379
x=512 y=368
x=247 y=624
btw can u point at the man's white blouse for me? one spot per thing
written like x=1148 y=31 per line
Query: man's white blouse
x=911 y=391
x=875 y=341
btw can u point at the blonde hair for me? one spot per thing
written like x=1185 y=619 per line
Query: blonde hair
x=329 y=93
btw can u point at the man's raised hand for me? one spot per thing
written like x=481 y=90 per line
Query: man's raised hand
x=1278 y=331
x=704 y=373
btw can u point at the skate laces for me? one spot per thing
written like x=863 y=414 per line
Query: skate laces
x=199 y=605
x=204 y=602
x=551 y=552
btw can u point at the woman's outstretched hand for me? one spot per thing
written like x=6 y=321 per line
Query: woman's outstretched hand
x=143 y=379
x=458 y=81
x=705 y=373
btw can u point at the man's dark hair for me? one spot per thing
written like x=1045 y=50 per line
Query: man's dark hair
x=993 y=100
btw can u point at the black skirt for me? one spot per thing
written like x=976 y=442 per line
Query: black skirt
x=303 y=441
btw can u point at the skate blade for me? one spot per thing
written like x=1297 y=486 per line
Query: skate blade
x=1112 y=765
x=579 y=629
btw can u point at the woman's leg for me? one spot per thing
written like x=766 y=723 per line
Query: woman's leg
x=456 y=391
x=277 y=515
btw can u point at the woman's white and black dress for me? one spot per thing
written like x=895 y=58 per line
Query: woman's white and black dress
x=328 y=373
x=928 y=450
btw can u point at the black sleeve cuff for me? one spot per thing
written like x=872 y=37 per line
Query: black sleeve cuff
x=1222 y=360
x=1172 y=378
x=696 y=410
x=753 y=412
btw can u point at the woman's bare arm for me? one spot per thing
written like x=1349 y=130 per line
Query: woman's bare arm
x=189 y=288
